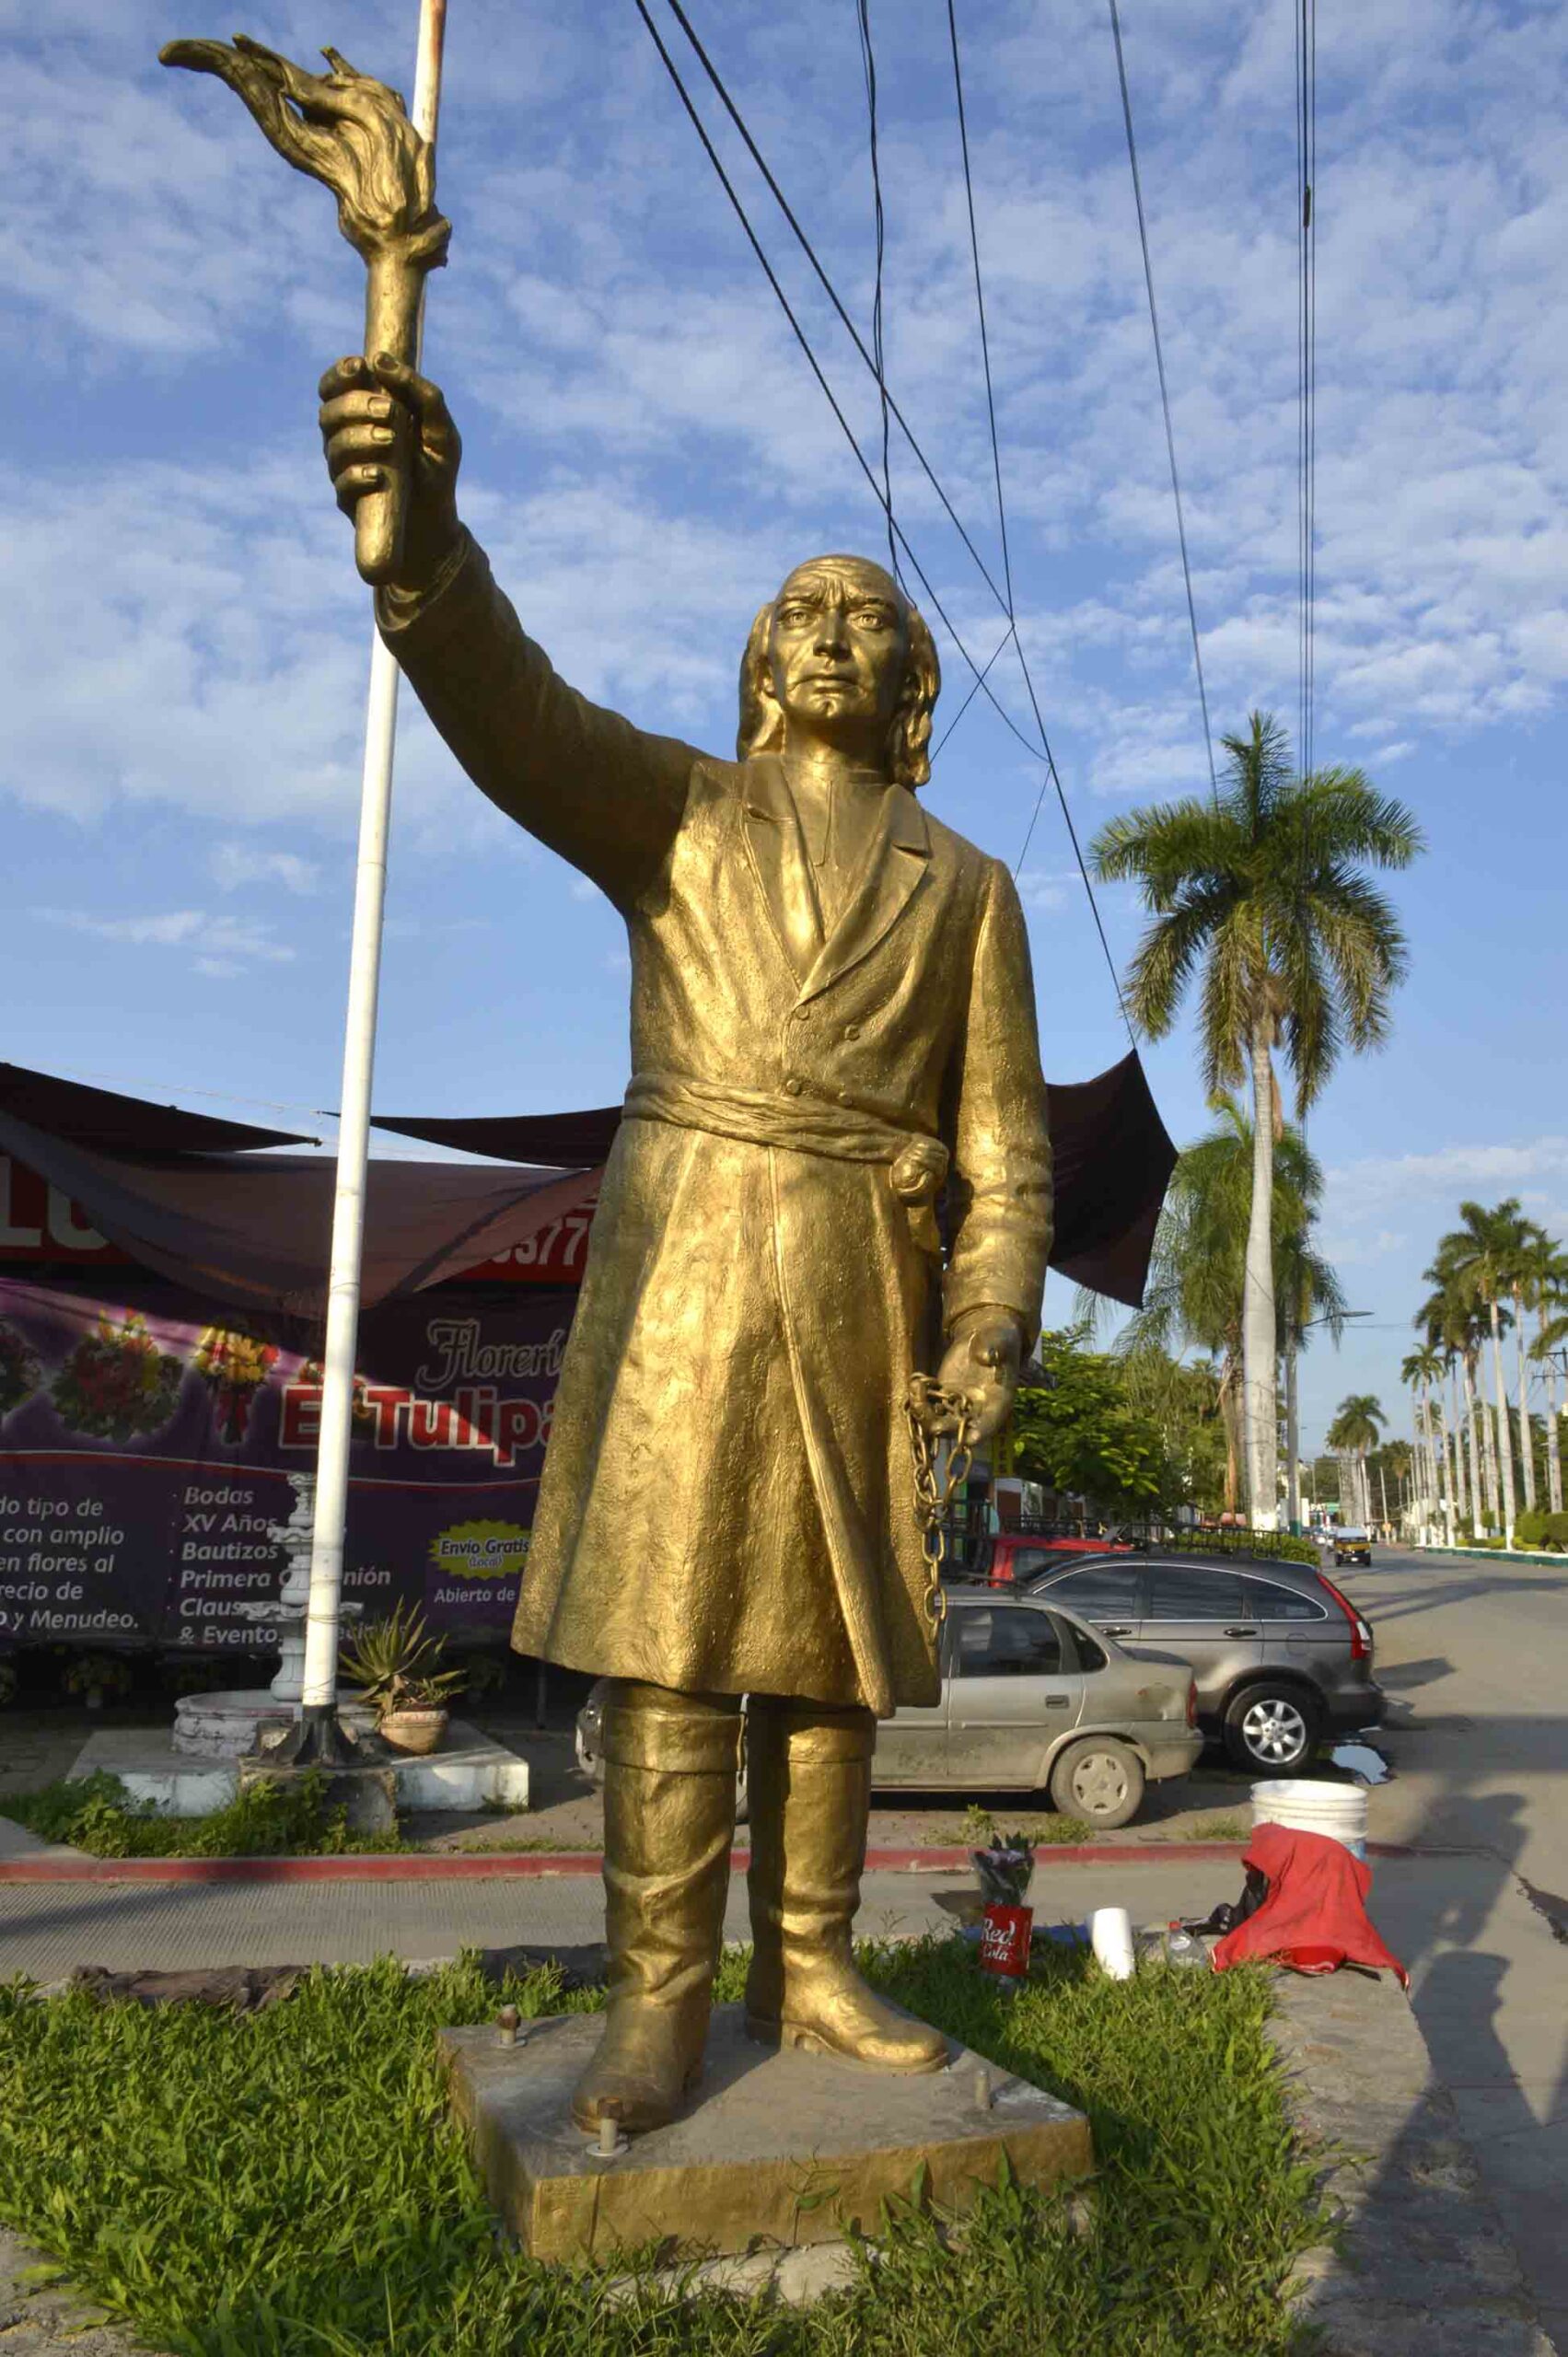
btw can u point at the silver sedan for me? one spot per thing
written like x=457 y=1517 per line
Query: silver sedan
x=1033 y=1699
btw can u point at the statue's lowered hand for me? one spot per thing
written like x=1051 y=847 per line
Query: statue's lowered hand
x=982 y=1361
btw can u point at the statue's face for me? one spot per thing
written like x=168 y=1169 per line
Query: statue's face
x=837 y=652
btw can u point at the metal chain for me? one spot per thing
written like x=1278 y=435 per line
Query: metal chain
x=928 y=1406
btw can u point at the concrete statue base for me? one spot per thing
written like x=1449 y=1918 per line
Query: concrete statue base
x=782 y=2148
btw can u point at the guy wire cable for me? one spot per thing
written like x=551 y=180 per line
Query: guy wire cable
x=721 y=91
x=979 y=306
x=1307 y=364
x=800 y=336
x=1052 y=775
x=868 y=61
x=1164 y=393
x=1040 y=751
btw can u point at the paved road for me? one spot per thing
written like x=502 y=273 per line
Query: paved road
x=1475 y=1654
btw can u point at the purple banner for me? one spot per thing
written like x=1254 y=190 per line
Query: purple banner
x=145 y=1437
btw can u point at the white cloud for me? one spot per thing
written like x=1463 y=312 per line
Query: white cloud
x=1358 y=1188
x=1351 y=1252
x=218 y=940
x=605 y=334
x=1039 y=888
x=234 y=866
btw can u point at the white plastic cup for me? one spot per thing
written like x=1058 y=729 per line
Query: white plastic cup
x=1111 y=1936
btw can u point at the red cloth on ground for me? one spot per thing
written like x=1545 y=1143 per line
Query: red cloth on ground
x=1317 y=1902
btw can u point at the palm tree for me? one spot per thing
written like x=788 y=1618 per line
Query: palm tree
x=1540 y=1283
x=1543 y=1286
x=1452 y=1321
x=1356 y=1429
x=1481 y=1259
x=1265 y=891
x=1196 y=1291
x=1421 y=1370
x=1306 y=1293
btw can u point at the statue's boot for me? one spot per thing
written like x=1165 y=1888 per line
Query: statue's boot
x=809 y=1774
x=669 y=1775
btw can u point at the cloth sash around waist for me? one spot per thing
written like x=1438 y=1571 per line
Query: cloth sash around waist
x=916 y=1162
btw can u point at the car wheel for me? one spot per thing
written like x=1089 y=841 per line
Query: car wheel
x=1100 y=1780
x=1272 y=1730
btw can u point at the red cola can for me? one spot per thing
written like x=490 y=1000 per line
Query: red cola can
x=1005 y=1937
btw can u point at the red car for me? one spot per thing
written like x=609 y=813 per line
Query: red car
x=1016 y=1558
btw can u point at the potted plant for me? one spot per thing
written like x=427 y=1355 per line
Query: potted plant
x=93 y=1676
x=396 y=1665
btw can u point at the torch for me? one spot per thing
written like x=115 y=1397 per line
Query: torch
x=354 y=134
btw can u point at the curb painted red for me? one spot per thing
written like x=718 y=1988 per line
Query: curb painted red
x=457 y=1866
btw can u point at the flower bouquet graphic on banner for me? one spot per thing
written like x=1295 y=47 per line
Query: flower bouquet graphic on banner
x=19 y=1371
x=117 y=1382
x=235 y=1364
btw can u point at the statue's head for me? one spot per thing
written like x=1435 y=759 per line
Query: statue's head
x=841 y=654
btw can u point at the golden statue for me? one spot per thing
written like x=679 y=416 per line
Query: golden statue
x=832 y=1021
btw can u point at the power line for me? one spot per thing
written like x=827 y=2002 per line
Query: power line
x=1164 y=393
x=817 y=370
x=777 y=192
x=868 y=64
x=980 y=306
x=1037 y=751
x=999 y=648
x=1052 y=776
x=1307 y=364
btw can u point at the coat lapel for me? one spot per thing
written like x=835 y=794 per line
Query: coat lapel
x=896 y=859
x=777 y=855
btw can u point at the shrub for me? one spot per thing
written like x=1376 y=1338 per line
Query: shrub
x=1531 y=1528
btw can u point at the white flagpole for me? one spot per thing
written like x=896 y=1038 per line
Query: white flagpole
x=319 y=1735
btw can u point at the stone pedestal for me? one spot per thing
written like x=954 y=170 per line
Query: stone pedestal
x=781 y=2147
x=224 y=1725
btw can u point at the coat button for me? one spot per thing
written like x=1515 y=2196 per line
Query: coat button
x=799 y=1014
x=852 y=1030
x=792 y=1086
x=844 y=1097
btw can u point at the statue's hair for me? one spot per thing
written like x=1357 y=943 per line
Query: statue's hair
x=761 y=717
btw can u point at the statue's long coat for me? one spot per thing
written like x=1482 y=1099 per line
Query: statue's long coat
x=727 y=1500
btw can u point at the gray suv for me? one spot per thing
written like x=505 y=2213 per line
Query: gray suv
x=1281 y=1658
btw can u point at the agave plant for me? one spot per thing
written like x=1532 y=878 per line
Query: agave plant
x=395 y=1663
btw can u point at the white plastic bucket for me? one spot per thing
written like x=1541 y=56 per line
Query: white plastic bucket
x=1306 y=1806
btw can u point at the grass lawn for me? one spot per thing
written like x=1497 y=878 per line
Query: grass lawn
x=287 y=2183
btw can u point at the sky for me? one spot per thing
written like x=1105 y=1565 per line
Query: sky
x=646 y=454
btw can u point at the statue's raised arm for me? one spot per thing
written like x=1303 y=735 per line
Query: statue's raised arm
x=597 y=790
x=605 y=795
